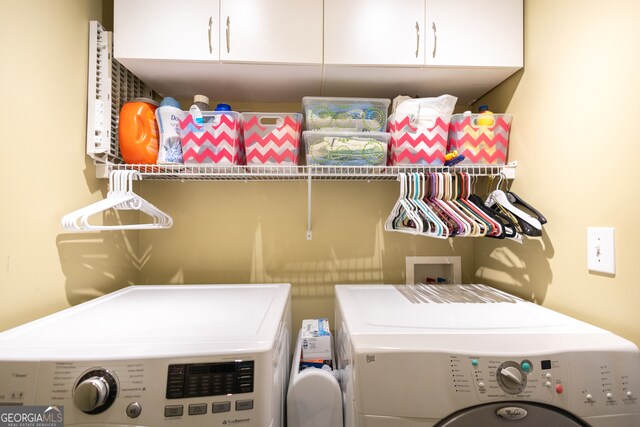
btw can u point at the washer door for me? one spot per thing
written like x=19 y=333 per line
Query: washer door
x=519 y=414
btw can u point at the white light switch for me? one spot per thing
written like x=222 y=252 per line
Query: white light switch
x=601 y=249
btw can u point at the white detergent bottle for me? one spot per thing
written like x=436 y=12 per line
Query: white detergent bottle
x=168 y=116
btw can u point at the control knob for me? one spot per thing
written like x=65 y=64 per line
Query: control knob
x=511 y=378
x=95 y=391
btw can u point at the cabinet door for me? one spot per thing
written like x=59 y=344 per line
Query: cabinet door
x=487 y=33
x=374 y=32
x=166 y=29
x=274 y=31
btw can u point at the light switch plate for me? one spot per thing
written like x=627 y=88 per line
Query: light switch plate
x=601 y=249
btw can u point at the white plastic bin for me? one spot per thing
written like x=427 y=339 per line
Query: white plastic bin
x=345 y=114
x=346 y=148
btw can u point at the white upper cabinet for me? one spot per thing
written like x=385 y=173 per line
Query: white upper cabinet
x=487 y=33
x=273 y=31
x=235 y=50
x=167 y=29
x=282 y=50
x=382 y=48
x=374 y=32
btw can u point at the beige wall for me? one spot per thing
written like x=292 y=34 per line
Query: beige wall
x=44 y=172
x=575 y=107
x=239 y=232
x=577 y=160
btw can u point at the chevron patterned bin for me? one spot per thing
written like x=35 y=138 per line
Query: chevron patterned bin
x=482 y=139
x=418 y=143
x=218 y=140
x=272 y=138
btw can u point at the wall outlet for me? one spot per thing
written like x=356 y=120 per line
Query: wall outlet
x=601 y=254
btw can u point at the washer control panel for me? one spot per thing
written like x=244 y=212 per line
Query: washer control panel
x=192 y=392
x=209 y=379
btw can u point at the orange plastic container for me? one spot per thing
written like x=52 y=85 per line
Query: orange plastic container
x=138 y=132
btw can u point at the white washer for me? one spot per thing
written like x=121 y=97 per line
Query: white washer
x=469 y=355
x=188 y=355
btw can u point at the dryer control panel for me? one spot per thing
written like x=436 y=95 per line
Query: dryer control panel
x=487 y=378
x=583 y=383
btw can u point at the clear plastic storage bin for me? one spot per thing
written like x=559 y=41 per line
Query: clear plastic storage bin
x=218 y=140
x=421 y=142
x=345 y=114
x=272 y=138
x=346 y=148
x=483 y=139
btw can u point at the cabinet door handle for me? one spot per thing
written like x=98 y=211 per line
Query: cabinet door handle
x=210 y=24
x=417 y=38
x=228 y=34
x=435 y=40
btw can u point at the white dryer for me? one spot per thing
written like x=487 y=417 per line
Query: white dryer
x=469 y=355
x=189 y=355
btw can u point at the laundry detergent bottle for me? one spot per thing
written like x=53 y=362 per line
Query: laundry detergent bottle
x=138 y=132
x=486 y=117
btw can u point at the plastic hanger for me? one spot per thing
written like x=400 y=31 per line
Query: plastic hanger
x=447 y=194
x=119 y=197
x=479 y=226
x=441 y=228
x=403 y=211
x=115 y=197
x=486 y=224
x=515 y=199
x=500 y=197
x=135 y=202
x=432 y=198
x=505 y=227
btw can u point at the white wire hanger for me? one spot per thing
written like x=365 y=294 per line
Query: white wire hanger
x=119 y=197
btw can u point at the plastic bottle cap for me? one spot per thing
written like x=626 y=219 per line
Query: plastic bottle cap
x=223 y=107
x=169 y=102
x=201 y=98
x=146 y=100
x=483 y=108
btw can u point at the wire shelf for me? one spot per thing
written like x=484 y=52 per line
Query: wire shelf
x=195 y=172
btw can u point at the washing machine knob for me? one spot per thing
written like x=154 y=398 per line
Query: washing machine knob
x=510 y=378
x=512 y=375
x=95 y=392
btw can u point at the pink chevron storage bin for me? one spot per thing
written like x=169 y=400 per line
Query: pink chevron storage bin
x=218 y=140
x=421 y=142
x=272 y=138
x=482 y=139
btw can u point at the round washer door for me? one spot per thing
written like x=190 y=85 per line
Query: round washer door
x=520 y=414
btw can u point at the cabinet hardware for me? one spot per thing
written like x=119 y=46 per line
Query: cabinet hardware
x=228 y=34
x=210 y=24
x=435 y=40
x=417 y=38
